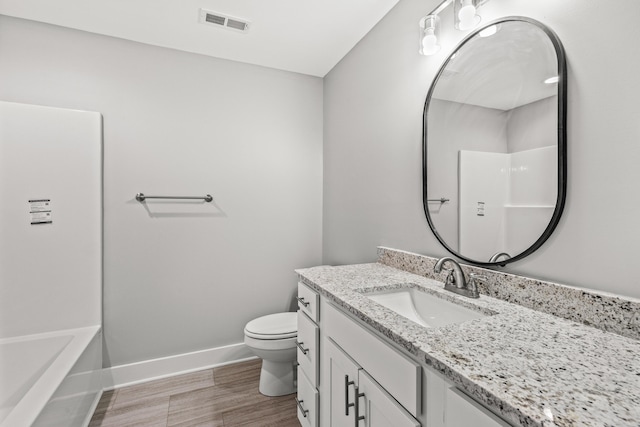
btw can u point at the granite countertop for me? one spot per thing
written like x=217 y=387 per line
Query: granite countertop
x=532 y=368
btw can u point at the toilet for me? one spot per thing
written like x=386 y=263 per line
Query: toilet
x=273 y=339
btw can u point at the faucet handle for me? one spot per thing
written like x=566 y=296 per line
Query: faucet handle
x=450 y=280
x=479 y=277
x=475 y=278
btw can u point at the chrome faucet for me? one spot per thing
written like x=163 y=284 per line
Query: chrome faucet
x=456 y=281
x=455 y=276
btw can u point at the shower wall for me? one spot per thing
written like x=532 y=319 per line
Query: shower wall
x=483 y=193
x=506 y=200
x=50 y=219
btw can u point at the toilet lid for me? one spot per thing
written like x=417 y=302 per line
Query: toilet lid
x=273 y=326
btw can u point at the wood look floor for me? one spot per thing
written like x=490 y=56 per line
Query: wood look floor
x=225 y=396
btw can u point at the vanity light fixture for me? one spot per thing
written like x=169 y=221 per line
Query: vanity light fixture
x=428 y=35
x=465 y=18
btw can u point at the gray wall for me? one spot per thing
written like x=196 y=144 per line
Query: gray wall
x=181 y=277
x=533 y=125
x=372 y=150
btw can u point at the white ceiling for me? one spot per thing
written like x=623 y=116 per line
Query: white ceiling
x=303 y=36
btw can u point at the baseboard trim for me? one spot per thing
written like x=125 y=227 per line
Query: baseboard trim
x=153 y=369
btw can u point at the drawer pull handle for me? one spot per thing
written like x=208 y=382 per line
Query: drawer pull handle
x=358 y=417
x=302 y=301
x=347 y=405
x=304 y=350
x=304 y=411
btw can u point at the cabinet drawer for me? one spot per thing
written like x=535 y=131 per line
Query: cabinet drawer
x=399 y=375
x=308 y=343
x=309 y=302
x=307 y=400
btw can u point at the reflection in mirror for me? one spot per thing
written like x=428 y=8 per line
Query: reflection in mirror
x=494 y=143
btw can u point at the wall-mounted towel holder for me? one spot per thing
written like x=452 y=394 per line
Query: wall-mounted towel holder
x=141 y=197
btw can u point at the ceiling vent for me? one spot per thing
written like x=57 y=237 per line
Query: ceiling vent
x=221 y=20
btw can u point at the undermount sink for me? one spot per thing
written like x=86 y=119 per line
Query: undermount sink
x=423 y=308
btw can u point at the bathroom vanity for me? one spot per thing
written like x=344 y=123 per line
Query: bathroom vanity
x=362 y=363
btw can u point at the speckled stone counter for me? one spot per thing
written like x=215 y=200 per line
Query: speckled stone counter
x=532 y=368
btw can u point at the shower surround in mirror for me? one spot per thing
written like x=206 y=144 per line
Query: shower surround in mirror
x=494 y=143
x=505 y=200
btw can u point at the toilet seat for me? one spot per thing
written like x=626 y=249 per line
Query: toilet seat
x=277 y=326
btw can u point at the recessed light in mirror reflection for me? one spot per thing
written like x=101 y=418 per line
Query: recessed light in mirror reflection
x=489 y=31
x=552 y=80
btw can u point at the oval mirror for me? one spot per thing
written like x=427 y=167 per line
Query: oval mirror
x=494 y=152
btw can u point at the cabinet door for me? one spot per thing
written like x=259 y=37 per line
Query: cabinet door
x=378 y=408
x=461 y=411
x=343 y=377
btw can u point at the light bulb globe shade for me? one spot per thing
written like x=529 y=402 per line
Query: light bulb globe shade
x=467 y=17
x=467 y=13
x=430 y=44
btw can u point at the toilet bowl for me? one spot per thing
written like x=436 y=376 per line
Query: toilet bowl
x=273 y=339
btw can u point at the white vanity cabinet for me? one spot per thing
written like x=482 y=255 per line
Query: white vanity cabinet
x=354 y=370
x=365 y=378
x=354 y=394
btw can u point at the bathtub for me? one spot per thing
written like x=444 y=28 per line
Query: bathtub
x=50 y=379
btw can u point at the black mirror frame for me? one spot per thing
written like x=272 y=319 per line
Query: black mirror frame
x=562 y=143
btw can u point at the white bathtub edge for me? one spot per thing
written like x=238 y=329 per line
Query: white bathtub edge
x=93 y=408
x=154 y=369
x=32 y=403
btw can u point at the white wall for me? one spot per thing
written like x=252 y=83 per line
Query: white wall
x=373 y=123
x=184 y=277
x=50 y=267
